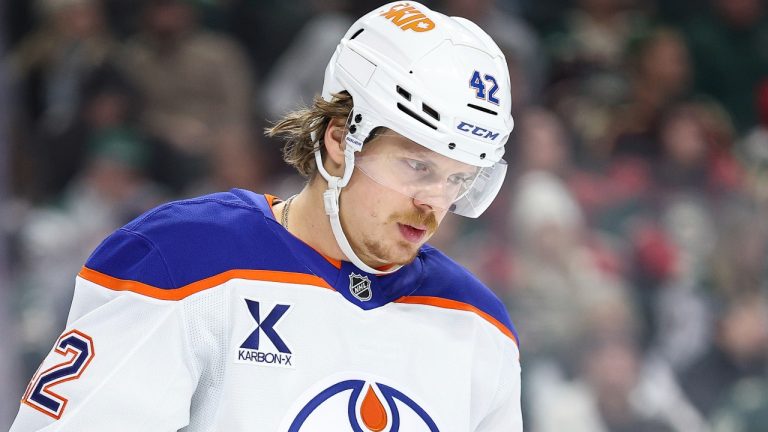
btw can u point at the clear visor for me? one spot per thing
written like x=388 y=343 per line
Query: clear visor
x=427 y=176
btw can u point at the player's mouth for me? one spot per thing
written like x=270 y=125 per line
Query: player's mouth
x=411 y=233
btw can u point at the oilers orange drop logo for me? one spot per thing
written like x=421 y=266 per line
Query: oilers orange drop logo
x=357 y=405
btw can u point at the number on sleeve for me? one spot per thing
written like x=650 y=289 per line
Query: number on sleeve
x=476 y=83
x=77 y=347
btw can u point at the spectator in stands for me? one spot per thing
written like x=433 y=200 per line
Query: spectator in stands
x=543 y=143
x=108 y=101
x=613 y=388
x=753 y=150
x=727 y=42
x=193 y=83
x=52 y=65
x=697 y=150
x=659 y=74
x=745 y=408
x=560 y=277
x=54 y=61
x=739 y=353
x=596 y=33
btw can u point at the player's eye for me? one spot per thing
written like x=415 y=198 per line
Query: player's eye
x=460 y=179
x=416 y=165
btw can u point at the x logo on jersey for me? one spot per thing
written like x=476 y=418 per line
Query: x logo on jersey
x=266 y=326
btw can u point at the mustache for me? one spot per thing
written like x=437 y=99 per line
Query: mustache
x=416 y=219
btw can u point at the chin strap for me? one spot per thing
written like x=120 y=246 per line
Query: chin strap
x=331 y=204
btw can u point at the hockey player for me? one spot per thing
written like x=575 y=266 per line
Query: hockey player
x=326 y=311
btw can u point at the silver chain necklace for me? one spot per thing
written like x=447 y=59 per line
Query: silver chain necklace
x=286 y=209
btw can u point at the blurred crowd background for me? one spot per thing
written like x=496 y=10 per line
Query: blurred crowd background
x=630 y=242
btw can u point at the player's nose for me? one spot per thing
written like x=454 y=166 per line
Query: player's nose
x=424 y=205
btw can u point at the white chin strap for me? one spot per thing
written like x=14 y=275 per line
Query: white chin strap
x=331 y=203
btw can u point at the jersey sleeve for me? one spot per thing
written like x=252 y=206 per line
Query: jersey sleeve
x=505 y=412
x=496 y=393
x=124 y=361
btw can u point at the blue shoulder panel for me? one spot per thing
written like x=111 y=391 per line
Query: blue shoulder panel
x=185 y=241
x=126 y=254
x=447 y=279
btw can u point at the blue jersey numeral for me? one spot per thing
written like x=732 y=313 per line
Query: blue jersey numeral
x=77 y=347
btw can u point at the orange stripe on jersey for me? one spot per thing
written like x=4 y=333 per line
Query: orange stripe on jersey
x=201 y=285
x=457 y=305
x=271 y=201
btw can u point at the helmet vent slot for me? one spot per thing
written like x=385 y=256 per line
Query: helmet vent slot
x=415 y=116
x=479 y=108
x=430 y=111
x=404 y=93
x=357 y=33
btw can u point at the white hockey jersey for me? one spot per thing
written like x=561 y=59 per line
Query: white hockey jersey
x=207 y=315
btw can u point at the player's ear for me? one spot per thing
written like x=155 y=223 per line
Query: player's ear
x=334 y=147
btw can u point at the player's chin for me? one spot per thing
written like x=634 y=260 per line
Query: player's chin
x=404 y=253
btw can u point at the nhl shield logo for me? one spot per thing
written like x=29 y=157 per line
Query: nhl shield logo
x=360 y=287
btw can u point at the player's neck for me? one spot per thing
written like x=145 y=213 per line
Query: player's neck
x=307 y=220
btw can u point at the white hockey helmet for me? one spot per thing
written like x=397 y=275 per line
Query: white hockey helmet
x=439 y=81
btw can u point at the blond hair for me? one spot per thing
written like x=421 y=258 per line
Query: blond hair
x=298 y=127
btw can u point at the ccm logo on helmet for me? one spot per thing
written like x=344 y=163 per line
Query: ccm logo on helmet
x=408 y=17
x=477 y=131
